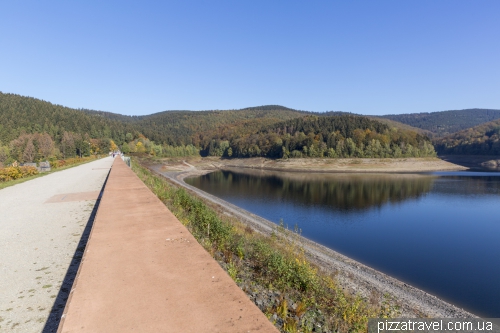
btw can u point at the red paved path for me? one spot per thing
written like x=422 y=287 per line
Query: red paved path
x=144 y=272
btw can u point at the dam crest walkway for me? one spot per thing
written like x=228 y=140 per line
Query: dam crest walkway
x=143 y=271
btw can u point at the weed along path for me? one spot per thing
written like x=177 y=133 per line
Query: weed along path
x=143 y=271
x=42 y=227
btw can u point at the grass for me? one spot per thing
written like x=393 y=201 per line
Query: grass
x=308 y=298
x=38 y=175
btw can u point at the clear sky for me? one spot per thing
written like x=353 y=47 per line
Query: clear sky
x=141 y=57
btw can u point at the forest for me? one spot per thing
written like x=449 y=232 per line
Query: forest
x=323 y=136
x=33 y=130
x=444 y=123
x=479 y=140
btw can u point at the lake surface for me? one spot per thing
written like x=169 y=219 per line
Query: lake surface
x=439 y=232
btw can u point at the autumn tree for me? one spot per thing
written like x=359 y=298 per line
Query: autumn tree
x=29 y=151
x=45 y=144
x=67 y=145
x=4 y=154
x=113 y=146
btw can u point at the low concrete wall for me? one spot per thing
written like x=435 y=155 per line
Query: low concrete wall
x=144 y=272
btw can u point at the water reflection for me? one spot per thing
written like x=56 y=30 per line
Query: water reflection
x=345 y=192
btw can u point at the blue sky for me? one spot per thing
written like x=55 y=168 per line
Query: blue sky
x=141 y=57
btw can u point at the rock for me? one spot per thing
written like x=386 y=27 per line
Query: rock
x=491 y=164
x=44 y=166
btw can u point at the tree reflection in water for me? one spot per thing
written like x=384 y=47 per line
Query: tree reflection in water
x=346 y=192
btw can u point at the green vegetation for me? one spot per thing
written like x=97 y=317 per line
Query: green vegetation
x=479 y=140
x=35 y=130
x=446 y=122
x=305 y=298
x=324 y=136
x=20 y=114
x=198 y=128
x=32 y=130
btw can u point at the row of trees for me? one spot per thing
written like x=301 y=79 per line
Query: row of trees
x=143 y=145
x=41 y=146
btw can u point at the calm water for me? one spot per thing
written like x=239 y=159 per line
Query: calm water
x=439 y=232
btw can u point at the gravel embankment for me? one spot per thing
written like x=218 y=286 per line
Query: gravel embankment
x=352 y=275
x=41 y=227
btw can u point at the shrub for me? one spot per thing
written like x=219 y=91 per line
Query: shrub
x=12 y=173
x=70 y=161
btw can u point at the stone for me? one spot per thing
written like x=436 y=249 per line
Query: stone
x=44 y=166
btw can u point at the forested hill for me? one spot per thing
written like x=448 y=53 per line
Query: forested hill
x=483 y=139
x=324 y=136
x=446 y=122
x=20 y=114
x=270 y=130
x=199 y=127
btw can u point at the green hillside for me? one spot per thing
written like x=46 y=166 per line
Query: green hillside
x=324 y=136
x=200 y=127
x=81 y=132
x=483 y=139
x=20 y=114
x=270 y=130
x=446 y=122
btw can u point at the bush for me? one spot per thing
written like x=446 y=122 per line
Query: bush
x=203 y=221
x=70 y=161
x=17 y=172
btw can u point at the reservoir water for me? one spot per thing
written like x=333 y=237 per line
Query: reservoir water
x=438 y=232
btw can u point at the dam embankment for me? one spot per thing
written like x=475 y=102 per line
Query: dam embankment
x=142 y=271
x=353 y=275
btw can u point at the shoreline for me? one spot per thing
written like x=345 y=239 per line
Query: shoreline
x=355 y=276
x=320 y=165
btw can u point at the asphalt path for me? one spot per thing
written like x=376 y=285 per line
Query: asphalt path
x=43 y=223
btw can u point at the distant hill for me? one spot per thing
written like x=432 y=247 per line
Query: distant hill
x=200 y=127
x=29 y=115
x=483 y=139
x=21 y=114
x=446 y=122
x=401 y=126
x=268 y=130
x=272 y=108
x=324 y=136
